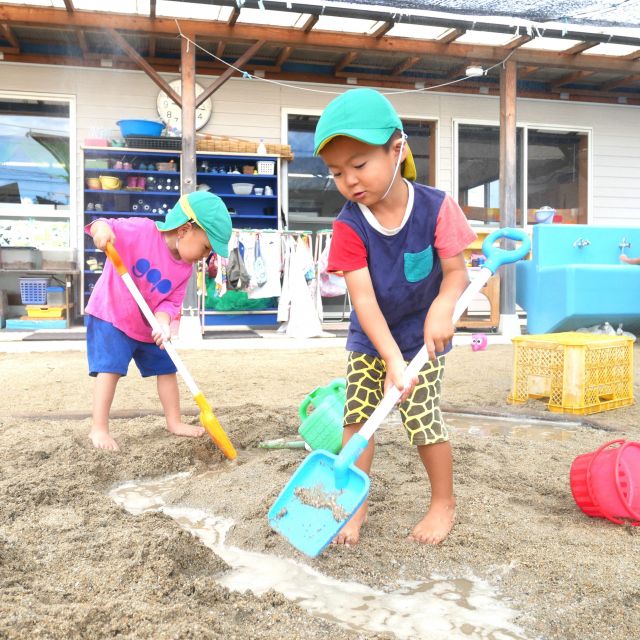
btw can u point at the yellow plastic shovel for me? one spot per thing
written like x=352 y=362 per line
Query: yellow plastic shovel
x=207 y=417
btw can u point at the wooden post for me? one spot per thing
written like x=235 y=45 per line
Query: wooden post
x=188 y=169
x=508 y=191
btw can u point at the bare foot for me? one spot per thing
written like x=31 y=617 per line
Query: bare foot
x=350 y=533
x=437 y=524
x=185 y=430
x=102 y=440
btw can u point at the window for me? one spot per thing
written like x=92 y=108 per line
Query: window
x=557 y=164
x=34 y=152
x=554 y=173
x=314 y=201
x=479 y=171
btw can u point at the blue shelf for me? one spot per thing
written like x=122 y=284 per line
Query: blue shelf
x=125 y=214
x=244 y=176
x=131 y=192
x=152 y=172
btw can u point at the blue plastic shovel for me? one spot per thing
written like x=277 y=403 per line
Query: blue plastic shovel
x=327 y=489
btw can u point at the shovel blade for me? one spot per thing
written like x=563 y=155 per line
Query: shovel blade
x=311 y=509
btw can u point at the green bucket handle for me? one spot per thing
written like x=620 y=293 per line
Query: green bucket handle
x=319 y=393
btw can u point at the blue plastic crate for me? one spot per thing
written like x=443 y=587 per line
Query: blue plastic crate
x=34 y=290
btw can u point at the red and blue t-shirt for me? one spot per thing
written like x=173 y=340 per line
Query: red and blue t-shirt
x=404 y=263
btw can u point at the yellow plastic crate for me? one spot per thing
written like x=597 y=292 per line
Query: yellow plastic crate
x=44 y=312
x=580 y=373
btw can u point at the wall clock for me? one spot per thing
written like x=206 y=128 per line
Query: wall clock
x=171 y=114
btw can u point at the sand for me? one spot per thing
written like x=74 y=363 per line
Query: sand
x=73 y=564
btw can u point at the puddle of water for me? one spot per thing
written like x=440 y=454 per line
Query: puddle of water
x=438 y=609
x=520 y=427
x=517 y=426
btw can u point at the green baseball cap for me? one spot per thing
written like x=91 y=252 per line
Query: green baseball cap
x=363 y=114
x=208 y=212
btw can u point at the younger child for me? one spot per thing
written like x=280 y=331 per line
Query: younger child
x=160 y=257
x=400 y=246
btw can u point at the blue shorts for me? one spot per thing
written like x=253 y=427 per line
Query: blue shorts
x=110 y=350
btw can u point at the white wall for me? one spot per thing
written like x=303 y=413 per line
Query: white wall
x=253 y=109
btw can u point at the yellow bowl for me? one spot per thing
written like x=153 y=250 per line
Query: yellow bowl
x=110 y=182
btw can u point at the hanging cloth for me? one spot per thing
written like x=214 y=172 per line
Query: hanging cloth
x=271 y=250
x=284 y=304
x=259 y=266
x=303 y=316
x=332 y=285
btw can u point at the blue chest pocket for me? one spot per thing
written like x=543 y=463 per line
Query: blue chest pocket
x=417 y=266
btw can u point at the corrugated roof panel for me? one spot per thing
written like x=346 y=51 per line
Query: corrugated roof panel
x=418 y=32
x=608 y=49
x=489 y=38
x=344 y=25
x=550 y=44
x=270 y=18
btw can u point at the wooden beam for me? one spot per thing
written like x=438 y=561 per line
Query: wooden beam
x=526 y=71
x=233 y=18
x=82 y=41
x=152 y=9
x=220 y=49
x=294 y=37
x=283 y=56
x=508 y=177
x=9 y=36
x=68 y=5
x=578 y=48
x=518 y=42
x=570 y=78
x=188 y=158
x=632 y=56
x=152 y=46
x=619 y=82
x=383 y=29
x=243 y=59
x=347 y=59
x=407 y=63
x=452 y=35
x=309 y=24
x=144 y=65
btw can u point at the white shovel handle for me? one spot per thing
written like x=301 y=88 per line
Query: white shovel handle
x=114 y=256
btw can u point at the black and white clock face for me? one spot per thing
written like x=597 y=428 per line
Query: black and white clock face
x=171 y=114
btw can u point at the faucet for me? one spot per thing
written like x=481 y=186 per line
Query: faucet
x=624 y=244
x=580 y=243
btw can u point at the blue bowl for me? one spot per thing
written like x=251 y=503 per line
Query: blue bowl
x=140 y=128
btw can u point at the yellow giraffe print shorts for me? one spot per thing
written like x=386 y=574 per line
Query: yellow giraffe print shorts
x=421 y=415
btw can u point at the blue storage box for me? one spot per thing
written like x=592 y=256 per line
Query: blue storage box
x=34 y=290
x=18 y=324
x=140 y=128
x=55 y=295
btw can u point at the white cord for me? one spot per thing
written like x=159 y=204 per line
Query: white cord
x=386 y=193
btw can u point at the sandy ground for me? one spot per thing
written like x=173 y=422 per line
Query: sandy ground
x=73 y=564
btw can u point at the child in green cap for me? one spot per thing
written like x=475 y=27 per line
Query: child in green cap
x=400 y=247
x=160 y=257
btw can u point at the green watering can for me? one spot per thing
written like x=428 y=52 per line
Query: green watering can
x=322 y=428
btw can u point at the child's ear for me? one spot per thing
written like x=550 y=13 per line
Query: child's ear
x=182 y=230
x=400 y=145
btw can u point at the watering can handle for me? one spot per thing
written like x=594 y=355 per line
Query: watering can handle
x=495 y=258
x=320 y=392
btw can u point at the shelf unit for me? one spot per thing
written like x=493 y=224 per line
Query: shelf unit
x=139 y=195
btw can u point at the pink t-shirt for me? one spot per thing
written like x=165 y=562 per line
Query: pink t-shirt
x=161 y=278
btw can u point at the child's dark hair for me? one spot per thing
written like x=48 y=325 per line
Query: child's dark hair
x=392 y=138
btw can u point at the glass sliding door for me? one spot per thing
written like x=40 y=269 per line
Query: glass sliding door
x=557 y=168
x=479 y=172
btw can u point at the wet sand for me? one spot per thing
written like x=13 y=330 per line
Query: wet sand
x=74 y=564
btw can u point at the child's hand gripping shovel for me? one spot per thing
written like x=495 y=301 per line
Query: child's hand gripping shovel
x=207 y=417
x=326 y=489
